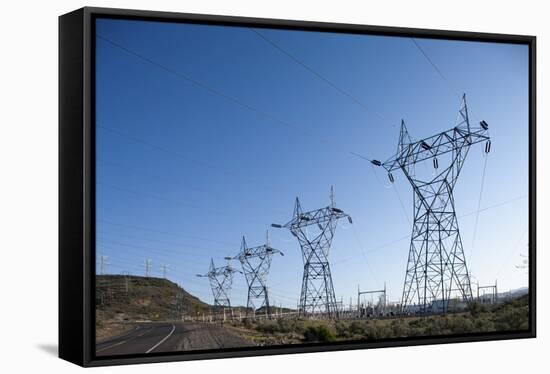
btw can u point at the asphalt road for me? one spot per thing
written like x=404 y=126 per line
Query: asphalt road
x=169 y=337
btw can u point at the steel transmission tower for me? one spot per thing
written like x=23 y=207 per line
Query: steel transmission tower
x=256 y=262
x=148 y=265
x=165 y=269
x=315 y=230
x=221 y=280
x=436 y=267
x=103 y=264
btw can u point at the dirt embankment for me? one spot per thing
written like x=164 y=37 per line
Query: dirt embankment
x=209 y=336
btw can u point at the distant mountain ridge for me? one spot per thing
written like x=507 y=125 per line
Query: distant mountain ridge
x=517 y=292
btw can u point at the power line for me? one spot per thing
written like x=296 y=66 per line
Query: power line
x=372 y=250
x=179 y=155
x=147 y=174
x=478 y=206
x=219 y=93
x=404 y=210
x=319 y=75
x=431 y=62
x=236 y=101
x=385 y=245
x=343 y=92
x=361 y=248
x=150 y=196
x=142 y=228
x=364 y=252
x=154 y=249
x=179 y=244
x=326 y=80
x=452 y=88
x=495 y=205
x=158 y=253
x=127 y=264
x=169 y=201
x=169 y=151
x=160 y=179
x=172 y=153
x=392 y=185
x=131 y=263
x=113 y=248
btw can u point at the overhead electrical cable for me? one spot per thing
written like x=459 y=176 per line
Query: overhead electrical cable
x=320 y=76
x=273 y=119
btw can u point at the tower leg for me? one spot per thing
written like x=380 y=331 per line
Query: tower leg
x=436 y=268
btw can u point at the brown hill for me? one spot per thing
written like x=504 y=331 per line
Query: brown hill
x=130 y=298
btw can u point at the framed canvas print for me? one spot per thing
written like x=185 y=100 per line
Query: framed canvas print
x=235 y=186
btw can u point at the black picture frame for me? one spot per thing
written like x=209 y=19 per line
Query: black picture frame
x=77 y=173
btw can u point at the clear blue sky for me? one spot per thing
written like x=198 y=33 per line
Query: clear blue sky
x=183 y=172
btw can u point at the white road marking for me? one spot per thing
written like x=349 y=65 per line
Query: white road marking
x=119 y=343
x=111 y=346
x=163 y=339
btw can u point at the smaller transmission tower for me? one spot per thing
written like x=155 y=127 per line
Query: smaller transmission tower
x=315 y=230
x=126 y=275
x=148 y=266
x=221 y=280
x=256 y=262
x=165 y=269
x=103 y=262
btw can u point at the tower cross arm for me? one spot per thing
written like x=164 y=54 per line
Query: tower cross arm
x=220 y=271
x=273 y=251
x=230 y=269
x=260 y=251
x=315 y=217
x=452 y=140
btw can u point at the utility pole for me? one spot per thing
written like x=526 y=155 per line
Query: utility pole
x=165 y=270
x=148 y=265
x=126 y=286
x=315 y=230
x=256 y=262
x=385 y=298
x=179 y=306
x=358 y=301
x=436 y=265
x=103 y=264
